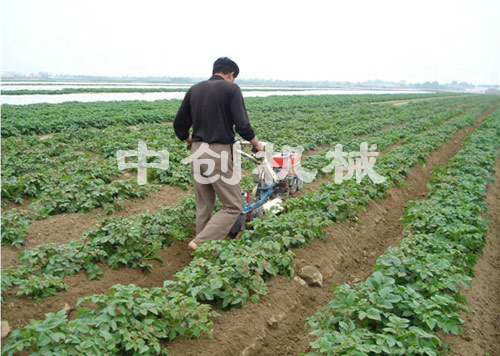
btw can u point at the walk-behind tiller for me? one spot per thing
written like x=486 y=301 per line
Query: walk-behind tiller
x=271 y=189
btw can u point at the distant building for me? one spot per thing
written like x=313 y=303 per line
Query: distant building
x=493 y=90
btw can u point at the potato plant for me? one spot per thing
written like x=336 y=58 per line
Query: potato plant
x=414 y=289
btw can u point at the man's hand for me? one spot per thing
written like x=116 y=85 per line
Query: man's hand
x=256 y=144
x=189 y=140
x=259 y=147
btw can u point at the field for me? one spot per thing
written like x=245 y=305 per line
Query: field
x=93 y=263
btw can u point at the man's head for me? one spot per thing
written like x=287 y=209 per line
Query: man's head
x=227 y=68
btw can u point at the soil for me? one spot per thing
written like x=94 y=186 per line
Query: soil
x=316 y=150
x=404 y=102
x=45 y=136
x=64 y=228
x=346 y=256
x=481 y=330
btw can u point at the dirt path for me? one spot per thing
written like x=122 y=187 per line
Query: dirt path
x=481 y=330
x=347 y=256
x=406 y=101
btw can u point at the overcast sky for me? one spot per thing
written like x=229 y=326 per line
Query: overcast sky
x=344 y=40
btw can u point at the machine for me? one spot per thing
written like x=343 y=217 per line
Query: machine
x=276 y=180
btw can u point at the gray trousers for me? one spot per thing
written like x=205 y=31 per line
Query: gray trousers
x=217 y=226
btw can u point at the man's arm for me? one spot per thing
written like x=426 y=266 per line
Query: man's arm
x=240 y=117
x=183 y=120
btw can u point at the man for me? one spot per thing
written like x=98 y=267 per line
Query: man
x=213 y=107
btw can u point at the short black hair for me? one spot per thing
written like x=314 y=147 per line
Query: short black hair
x=226 y=66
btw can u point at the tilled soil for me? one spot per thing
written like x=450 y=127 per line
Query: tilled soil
x=64 y=228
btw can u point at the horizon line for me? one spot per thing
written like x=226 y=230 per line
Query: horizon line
x=48 y=75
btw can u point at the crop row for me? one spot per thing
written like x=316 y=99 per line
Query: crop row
x=226 y=273
x=49 y=118
x=89 y=90
x=128 y=242
x=121 y=90
x=414 y=289
x=77 y=171
x=122 y=241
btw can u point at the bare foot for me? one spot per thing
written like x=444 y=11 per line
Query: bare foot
x=192 y=246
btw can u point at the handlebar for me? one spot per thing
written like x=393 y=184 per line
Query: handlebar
x=254 y=151
x=248 y=143
x=244 y=143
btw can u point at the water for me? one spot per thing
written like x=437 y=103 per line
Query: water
x=6 y=88
x=83 y=84
x=91 y=97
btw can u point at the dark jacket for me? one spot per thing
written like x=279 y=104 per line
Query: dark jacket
x=213 y=107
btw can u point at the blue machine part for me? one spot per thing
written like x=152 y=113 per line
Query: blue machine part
x=265 y=194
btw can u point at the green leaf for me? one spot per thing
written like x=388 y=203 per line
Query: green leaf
x=431 y=323
x=373 y=314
